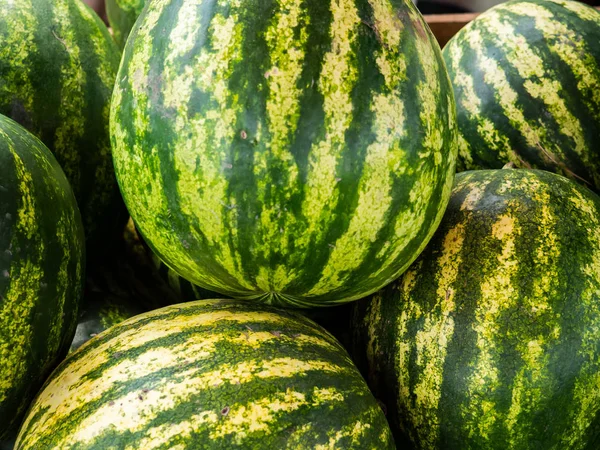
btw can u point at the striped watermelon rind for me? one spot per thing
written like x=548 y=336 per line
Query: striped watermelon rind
x=208 y=374
x=42 y=253
x=492 y=338
x=526 y=76
x=58 y=65
x=306 y=163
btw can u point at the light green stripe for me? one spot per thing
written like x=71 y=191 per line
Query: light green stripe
x=497 y=295
x=25 y=276
x=430 y=341
x=207 y=129
x=586 y=395
x=569 y=46
x=530 y=384
x=384 y=157
x=336 y=82
x=538 y=83
x=434 y=153
x=471 y=104
x=507 y=98
x=582 y=10
x=287 y=54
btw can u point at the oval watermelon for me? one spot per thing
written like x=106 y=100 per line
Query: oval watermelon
x=526 y=77
x=208 y=374
x=41 y=268
x=299 y=153
x=57 y=69
x=492 y=338
x=122 y=15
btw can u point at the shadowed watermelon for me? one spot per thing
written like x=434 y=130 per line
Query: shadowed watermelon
x=57 y=69
x=41 y=268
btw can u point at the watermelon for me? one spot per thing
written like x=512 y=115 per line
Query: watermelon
x=526 y=77
x=208 y=374
x=122 y=14
x=41 y=268
x=300 y=153
x=101 y=311
x=57 y=69
x=491 y=339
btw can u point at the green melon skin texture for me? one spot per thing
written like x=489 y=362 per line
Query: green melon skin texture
x=42 y=251
x=100 y=311
x=122 y=15
x=491 y=339
x=212 y=374
x=58 y=64
x=526 y=77
x=296 y=152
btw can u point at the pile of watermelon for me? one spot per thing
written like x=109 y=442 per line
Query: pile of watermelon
x=239 y=224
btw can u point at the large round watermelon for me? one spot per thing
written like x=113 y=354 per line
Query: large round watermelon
x=491 y=339
x=122 y=14
x=208 y=375
x=296 y=152
x=41 y=268
x=57 y=69
x=526 y=77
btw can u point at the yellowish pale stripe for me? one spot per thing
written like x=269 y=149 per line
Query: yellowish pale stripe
x=129 y=413
x=586 y=393
x=539 y=83
x=432 y=340
x=354 y=431
x=384 y=157
x=507 y=97
x=568 y=46
x=286 y=39
x=469 y=99
x=471 y=103
x=337 y=79
x=207 y=130
x=410 y=220
x=530 y=385
x=373 y=321
x=411 y=311
x=242 y=419
x=475 y=194
x=584 y=11
x=149 y=361
x=20 y=297
x=497 y=295
x=65 y=279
